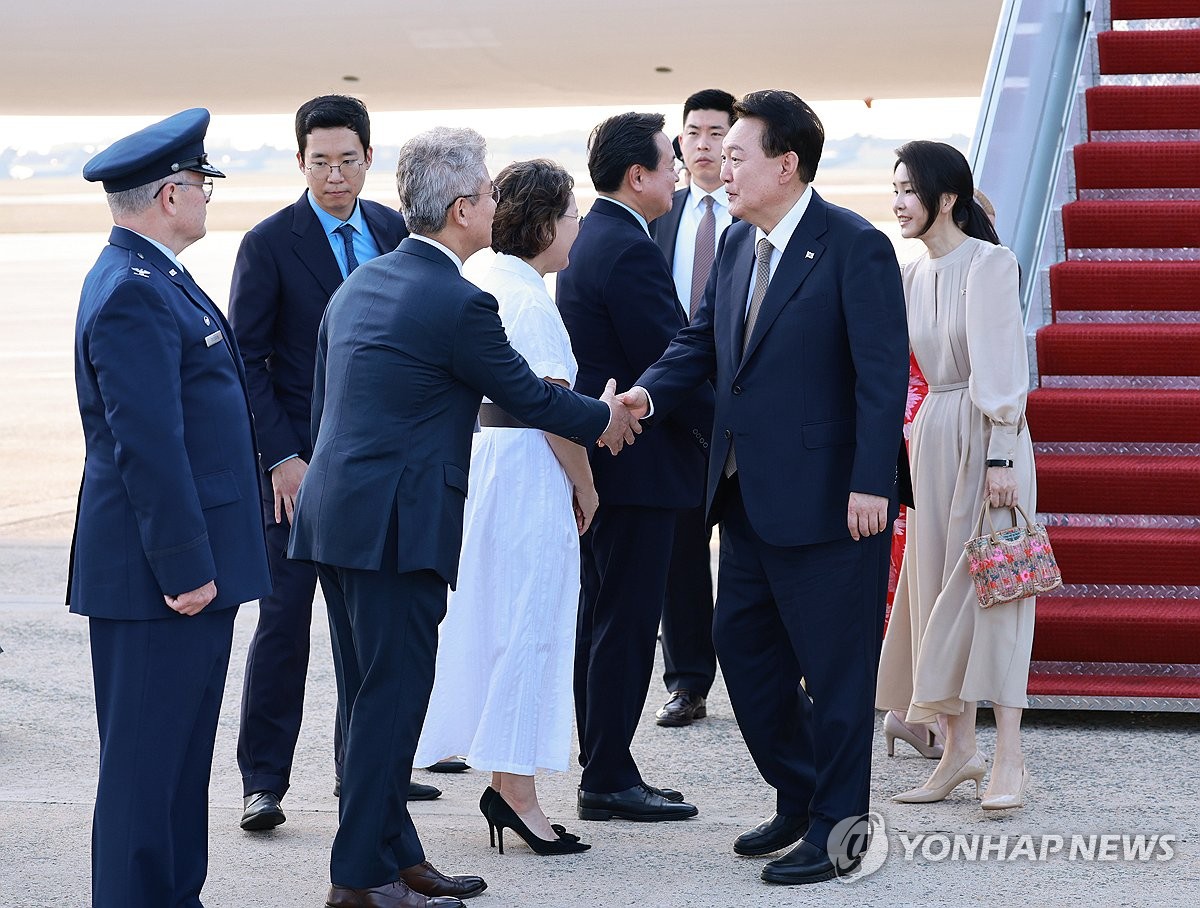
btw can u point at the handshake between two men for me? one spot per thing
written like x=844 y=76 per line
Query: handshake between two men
x=623 y=424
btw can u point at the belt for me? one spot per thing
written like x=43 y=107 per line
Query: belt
x=953 y=386
x=493 y=416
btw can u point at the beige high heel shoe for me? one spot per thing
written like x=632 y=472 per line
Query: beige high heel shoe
x=973 y=770
x=1008 y=801
x=924 y=744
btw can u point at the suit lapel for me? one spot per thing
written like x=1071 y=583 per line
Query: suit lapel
x=312 y=247
x=799 y=258
x=739 y=291
x=386 y=239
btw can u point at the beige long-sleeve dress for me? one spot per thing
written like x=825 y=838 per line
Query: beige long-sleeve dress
x=941 y=649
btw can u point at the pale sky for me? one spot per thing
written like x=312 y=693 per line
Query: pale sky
x=900 y=119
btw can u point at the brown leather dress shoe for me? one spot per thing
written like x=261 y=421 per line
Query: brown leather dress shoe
x=681 y=709
x=393 y=895
x=428 y=880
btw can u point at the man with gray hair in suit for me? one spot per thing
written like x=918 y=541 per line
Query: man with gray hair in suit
x=406 y=351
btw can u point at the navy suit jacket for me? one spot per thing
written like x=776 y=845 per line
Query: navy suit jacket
x=405 y=352
x=170 y=495
x=617 y=299
x=283 y=277
x=816 y=405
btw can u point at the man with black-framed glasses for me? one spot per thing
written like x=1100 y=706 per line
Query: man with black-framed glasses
x=286 y=270
x=168 y=537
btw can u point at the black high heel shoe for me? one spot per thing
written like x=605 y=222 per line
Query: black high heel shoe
x=490 y=794
x=500 y=816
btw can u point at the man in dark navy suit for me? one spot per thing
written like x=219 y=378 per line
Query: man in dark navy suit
x=803 y=325
x=169 y=534
x=286 y=270
x=406 y=351
x=618 y=302
x=688 y=235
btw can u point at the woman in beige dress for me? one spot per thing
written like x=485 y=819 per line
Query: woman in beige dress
x=942 y=653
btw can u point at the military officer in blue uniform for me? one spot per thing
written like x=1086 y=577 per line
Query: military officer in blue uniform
x=169 y=533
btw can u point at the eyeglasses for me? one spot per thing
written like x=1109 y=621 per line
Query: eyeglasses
x=206 y=187
x=571 y=217
x=494 y=193
x=347 y=169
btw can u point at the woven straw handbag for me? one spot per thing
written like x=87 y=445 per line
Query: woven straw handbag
x=1011 y=564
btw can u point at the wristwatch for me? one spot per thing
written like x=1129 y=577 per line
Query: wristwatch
x=1000 y=463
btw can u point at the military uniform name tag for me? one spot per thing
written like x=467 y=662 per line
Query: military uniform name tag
x=214 y=338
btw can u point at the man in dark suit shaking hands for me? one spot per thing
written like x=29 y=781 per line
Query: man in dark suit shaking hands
x=618 y=302
x=803 y=326
x=405 y=352
x=286 y=270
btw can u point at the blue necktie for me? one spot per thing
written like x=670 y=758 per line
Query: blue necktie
x=347 y=233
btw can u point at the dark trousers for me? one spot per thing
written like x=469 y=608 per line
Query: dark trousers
x=158 y=696
x=276 y=664
x=624 y=562
x=690 y=662
x=384 y=627
x=812 y=612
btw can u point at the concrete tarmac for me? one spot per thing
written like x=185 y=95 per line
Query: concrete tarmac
x=1093 y=773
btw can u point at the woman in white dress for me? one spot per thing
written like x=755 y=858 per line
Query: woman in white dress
x=942 y=653
x=502 y=693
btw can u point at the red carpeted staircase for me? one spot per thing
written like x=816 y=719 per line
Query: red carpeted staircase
x=1116 y=414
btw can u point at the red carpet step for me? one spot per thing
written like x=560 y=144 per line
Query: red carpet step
x=1127 y=52
x=1048 y=685
x=1111 y=108
x=1131 y=225
x=1119 y=349
x=1118 y=484
x=1154 y=9
x=1137 y=165
x=1143 y=286
x=1117 y=630
x=1118 y=555
x=1085 y=414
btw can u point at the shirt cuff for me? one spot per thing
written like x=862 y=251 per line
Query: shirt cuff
x=285 y=460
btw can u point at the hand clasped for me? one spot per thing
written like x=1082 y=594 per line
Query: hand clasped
x=622 y=426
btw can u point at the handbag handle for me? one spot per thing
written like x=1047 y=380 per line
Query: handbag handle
x=986 y=513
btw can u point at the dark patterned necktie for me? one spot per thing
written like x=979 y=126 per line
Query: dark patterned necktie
x=347 y=234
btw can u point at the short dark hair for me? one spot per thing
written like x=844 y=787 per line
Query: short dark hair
x=533 y=196
x=710 y=99
x=934 y=169
x=788 y=125
x=620 y=142
x=332 y=112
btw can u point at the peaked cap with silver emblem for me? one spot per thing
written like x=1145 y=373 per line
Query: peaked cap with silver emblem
x=162 y=149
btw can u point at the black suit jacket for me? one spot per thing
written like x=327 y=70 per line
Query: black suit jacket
x=617 y=299
x=816 y=405
x=283 y=278
x=405 y=352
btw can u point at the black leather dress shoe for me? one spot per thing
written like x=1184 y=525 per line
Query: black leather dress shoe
x=806 y=863
x=416 y=791
x=452 y=765
x=669 y=793
x=262 y=811
x=419 y=792
x=428 y=880
x=393 y=895
x=681 y=709
x=771 y=835
x=636 y=803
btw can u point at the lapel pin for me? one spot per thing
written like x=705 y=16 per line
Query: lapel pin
x=139 y=255
x=212 y=339
x=140 y=272
x=172 y=272
x=808 y=254
x=207 y=320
